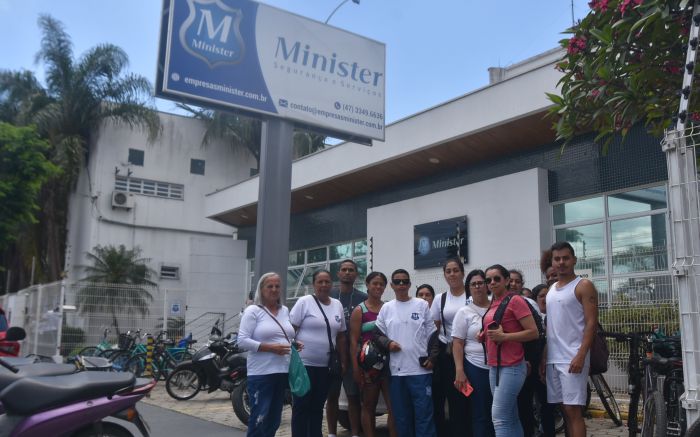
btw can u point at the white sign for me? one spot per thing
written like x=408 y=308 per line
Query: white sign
x=247 y=55
x=584 y=273
x=176 y=308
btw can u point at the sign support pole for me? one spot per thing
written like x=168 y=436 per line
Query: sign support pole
x=274 y=201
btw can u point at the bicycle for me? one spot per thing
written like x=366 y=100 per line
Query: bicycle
x=165 y=358
x=94 y=351
x=644 y=368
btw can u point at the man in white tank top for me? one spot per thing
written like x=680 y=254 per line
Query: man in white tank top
x=572 y=319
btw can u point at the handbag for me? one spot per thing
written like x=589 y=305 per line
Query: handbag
x=335 y=368
x=599 y=353
x=299 y=383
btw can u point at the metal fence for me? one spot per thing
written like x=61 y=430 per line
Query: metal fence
x=62 y=318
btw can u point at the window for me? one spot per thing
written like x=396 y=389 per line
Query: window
x=136 y=157
x=197 y=166
x=169 y=272
x=149 y=188
x=620 y=239
x=303 y=264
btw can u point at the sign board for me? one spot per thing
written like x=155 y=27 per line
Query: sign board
x=584 y=273
x=176 y=308
x=253 y=57
x=435 y=242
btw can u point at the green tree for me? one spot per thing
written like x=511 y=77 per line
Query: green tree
x=80 y=95
x=116 y=283
x=624 y=65
x=245 y=133
x=23 y=169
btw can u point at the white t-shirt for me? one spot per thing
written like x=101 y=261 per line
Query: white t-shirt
x=452 y=305
x=466 y=326
x=312 y=330
x=409 y=324
x=257 y=326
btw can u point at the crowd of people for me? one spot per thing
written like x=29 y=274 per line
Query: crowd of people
x=464 y=362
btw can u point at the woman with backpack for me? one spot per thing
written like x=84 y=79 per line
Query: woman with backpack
x=507 y=325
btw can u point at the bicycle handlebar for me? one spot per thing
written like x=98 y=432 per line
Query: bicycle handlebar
x=627 y=336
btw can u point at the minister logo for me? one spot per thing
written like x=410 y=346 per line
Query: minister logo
x=212 y=32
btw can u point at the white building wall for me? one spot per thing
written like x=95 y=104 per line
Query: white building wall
x=509 y=222
x=168 y=231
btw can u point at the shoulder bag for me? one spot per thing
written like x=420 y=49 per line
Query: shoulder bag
x=299 y=383
x=334 y=367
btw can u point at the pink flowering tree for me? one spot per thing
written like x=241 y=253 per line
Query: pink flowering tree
x=624 y=64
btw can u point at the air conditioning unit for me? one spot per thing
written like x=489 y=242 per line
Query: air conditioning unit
x=122 y=199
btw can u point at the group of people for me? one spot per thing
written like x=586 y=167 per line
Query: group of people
x=448 y=364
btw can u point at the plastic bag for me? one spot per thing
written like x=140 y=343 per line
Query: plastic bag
x=299 y=383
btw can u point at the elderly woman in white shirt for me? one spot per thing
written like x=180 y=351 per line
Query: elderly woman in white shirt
x=266 y=332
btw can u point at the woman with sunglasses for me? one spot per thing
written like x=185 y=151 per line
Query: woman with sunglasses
x=468 y=353
x=371 y=382
x=313 y=317
x=443 y=312
x=506 y=356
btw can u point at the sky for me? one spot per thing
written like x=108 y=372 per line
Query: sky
x=435 y=50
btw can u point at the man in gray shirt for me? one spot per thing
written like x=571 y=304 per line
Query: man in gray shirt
x=349 y=297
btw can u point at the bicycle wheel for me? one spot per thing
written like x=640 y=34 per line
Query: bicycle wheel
x=90 y=351
x=119 y=360
x=654 y=421
x=183 y=383
x=136 y=364
x=607 y=398
x=181 y=356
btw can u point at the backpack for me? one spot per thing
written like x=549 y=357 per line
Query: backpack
x=533 y=349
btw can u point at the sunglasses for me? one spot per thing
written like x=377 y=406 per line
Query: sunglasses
x=401 y=281
x=476 y=284
x=494 y=279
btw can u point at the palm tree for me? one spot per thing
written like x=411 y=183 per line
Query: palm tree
x=80 y=94
x=116 y=265
x=245 y=133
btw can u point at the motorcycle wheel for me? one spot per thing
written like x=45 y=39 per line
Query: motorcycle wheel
x=183 y=383
x=241 y=402
x=108 y=430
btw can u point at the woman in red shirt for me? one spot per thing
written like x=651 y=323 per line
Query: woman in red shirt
x=505 y=353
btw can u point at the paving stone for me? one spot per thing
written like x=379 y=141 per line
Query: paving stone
x=216 y=407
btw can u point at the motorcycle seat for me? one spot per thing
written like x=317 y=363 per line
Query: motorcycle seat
x=38 y=369
x=31 y=395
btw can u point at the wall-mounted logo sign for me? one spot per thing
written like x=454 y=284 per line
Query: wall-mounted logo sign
x=253 y=57
x=435 y=242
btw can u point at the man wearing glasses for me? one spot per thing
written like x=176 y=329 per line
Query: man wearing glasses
x=349 y=297
x=406 y=326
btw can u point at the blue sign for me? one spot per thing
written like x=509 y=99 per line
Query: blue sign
x=435 y=242
x=253 y=57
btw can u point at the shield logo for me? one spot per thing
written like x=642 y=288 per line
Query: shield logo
x=424 y=245
x=212 y=33
x=414 y=316
x=337 y=318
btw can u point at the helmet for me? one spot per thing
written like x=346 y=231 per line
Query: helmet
x=370 y=356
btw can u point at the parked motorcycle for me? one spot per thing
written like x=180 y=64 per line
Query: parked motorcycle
x=220 y=365
x=39 y=400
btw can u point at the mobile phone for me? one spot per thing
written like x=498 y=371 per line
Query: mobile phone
x=493 y=325
x=422 y=361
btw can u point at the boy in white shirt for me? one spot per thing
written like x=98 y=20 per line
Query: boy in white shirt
x=406 y=323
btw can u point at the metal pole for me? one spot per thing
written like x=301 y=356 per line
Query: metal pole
x=274 y=200
x=165 y=310
x=31 y=278
x=37 y=319
x=61 y=301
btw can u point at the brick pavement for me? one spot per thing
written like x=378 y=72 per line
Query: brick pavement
x=216 y=407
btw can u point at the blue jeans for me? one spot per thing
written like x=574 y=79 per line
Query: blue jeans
x=504 y=410
x=412 y=405
x=481 y=400
x=266 y=393
x=307 y=410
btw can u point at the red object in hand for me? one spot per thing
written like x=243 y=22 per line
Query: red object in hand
x=466 y=389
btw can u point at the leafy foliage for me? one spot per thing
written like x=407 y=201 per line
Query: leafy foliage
x=23 y=169
x=245 y=133
x=79 y=95
x=116 y=265
x=624 y=64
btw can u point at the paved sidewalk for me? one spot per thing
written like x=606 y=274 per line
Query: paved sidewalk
x=216 y=407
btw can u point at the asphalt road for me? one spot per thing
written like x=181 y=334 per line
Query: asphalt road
x=168 y=423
